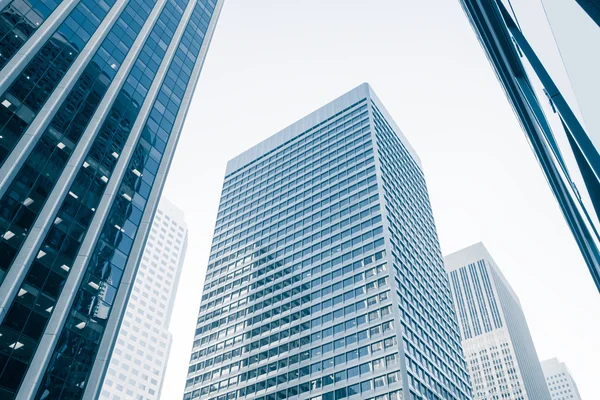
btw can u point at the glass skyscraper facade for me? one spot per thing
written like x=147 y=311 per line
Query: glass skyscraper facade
x=93 y=95
x=545 y=55
x=325 y=278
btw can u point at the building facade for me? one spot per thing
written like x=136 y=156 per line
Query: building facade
x=325 y=278
x=544 y=54
x=93 y=94
x=559 y=380
x=139 y=359
x=498 y=347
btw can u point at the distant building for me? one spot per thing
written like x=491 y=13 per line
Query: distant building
x=545 y=54
x=502 y=360
x=139 y=359
x=559 y=380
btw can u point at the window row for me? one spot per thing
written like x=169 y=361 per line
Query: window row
x=299 y=167
x=277 y=157
x=332 y=249
x=292 y=207
x=301 y=195
x=324 y=238
x=245 y=255
x=355 y=266
x=335 y=316
x=369 y=335
x=327 y=291
x=327 y=217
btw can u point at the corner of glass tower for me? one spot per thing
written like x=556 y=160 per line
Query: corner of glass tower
x=544 y=57
x=325 y=279
x=93 y=96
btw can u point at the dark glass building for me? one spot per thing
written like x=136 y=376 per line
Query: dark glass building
x=545 y=54
x=325 y=278
x=93 y=95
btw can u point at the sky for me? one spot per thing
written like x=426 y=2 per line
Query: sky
x=271 y=62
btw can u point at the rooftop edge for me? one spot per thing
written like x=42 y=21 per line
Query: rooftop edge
x=360 y=92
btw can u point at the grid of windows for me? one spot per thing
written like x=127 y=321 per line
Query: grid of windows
x=97 y=101
x=561 y=388
x=299 y=297
x=22 y=101
x=304 y=289
x=494 y=370
x=91 y=309
x=559 y=380
x=296 y=344
x=18 y=22
x=435 y=366
x=32 y=185
x=233 y=340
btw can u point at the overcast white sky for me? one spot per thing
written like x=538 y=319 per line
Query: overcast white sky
x=271 y=62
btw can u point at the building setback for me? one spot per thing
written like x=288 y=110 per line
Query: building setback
x=325 y=278
x=93 y=95
x=139 y=359
x=559 y=380
x=498 y=347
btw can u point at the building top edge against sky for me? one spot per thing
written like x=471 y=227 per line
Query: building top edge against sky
x=466 y=256
x=316 y=117
x=472 y=254
x=167 y=205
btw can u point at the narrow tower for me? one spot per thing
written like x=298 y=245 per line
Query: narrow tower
x=139 y=360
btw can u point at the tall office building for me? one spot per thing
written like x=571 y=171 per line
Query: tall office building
x=544 y=54
x=503 y=363
x=325 y=278
x=139 y=359
x=93 y=95
x=559 y=380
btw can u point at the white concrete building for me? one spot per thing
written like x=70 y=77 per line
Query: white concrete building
x=140 y=356
x=559 y=380
x=500 y=354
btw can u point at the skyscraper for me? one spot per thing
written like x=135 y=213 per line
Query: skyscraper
x=325 y=278
x=139 y=359
x=93 y=95
x=559 y=380
x=503 y=363
x=544 y=54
